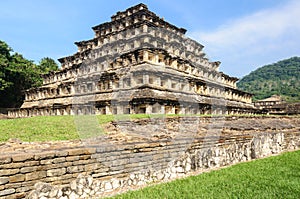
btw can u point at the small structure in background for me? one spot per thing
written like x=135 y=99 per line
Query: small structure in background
x=277 y=105
x=269 y=102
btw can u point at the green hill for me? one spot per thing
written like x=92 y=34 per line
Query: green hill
x=281 y=78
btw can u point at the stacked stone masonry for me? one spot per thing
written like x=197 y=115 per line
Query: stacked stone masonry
x=136 y=62
x=102 y=167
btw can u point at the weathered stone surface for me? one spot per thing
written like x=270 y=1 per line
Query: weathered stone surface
x=75 y=169
x=72 y=158
x=73 y=195
x=4 y=180
x=46 y=162
x=28 y=169
x=43 y=187
x=19 y=165
x=6 y=172
x=107 y=186
x=7 y=192
x=22 y=157
x=59 y=160
x=44 y=155
x=115 y=183
x=56 y=172
x=62 y=153
x=83 y=162
x=73 y=185
x=35 y=175
x=83 y=151
x=32 y=195
x=18 y=195
x=17 y=178
x=91 y=167
x=23 y=189
x=5 y=159
x=53 y=193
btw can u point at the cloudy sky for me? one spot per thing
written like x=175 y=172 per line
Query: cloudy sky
x=242 y=34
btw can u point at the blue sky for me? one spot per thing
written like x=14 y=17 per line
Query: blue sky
x=242 y=34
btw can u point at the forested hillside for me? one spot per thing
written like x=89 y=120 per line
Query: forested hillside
x=281 y=78
x=18 y=74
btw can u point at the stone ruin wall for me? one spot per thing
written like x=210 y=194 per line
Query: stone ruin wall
x=95 y=168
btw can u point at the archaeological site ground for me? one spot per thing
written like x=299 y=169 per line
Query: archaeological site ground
x=140 y=104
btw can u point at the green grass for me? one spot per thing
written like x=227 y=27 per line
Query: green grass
x=49 y=128
x=39 y=128
x=274 y=177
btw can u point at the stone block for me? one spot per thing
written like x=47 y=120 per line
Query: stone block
x=59 y=160
x=4 y=180
x=17 y=178
x=72 y=158
x=73 y=185
x=82 y=151
x=115 y=183
x=119 y=162
x=179 y=170
x=84 y=157
x=30 y=163
x=62 y=153
x=56 y=172
x=28 y=183
x=99 y=174
x=8 y=172
x=6 y=192
x=42 y=187
x=22 y=157
x=35 y=175
x=23 y=189
x=5 y=159
x=91 y=167
x=75 y=169
x=158 y=156
x=13 y=185
x=107 y=186
x=28 y=169
x=44 y=155
x=55 y=166
x=83 y=162
x=53 y=193
x=73 y=195
x=59 y=180
x=46 y=161
x=18 y=195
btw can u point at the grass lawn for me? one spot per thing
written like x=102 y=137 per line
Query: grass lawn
x=46 y=128
x=274 y=177
x=39 y=128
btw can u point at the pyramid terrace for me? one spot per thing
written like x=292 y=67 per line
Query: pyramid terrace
x=136 y=63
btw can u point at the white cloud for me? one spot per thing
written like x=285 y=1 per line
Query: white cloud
x=264 y=36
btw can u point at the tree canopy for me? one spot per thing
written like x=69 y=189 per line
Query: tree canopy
x=281 y=78
x=18 y=74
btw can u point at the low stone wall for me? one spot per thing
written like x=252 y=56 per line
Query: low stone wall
x=96 y=168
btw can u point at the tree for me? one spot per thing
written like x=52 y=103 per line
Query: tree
x=18 y=74
x=21 y=74
x=4 y=61
x=47 y=65
x=281 y=78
